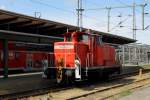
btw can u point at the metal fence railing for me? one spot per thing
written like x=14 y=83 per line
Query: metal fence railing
x=134 y=54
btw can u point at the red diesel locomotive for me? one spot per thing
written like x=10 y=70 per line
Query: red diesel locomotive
x=83 y=56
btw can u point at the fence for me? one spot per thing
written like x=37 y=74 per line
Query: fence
x=134 y=54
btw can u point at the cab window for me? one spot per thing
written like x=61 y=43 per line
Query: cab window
x=85 y=38
x=80 y=38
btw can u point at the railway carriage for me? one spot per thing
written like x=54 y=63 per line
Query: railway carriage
x=22 y=57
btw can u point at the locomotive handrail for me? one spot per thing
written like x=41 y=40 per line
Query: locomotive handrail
x=80 y=62
x=87 y=62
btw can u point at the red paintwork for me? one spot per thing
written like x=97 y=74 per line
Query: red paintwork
x=65 y=53
x=18 y=57
x=103 y=54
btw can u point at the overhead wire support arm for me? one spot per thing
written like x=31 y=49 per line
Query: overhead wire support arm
x=115 y=7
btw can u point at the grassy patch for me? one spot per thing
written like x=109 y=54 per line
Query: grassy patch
x=125 y=93
x=146 y=65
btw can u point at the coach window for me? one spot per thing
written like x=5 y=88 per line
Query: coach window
x=11 y=55
x=16 y=55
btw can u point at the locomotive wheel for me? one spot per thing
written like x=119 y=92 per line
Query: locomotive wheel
x=63 y=79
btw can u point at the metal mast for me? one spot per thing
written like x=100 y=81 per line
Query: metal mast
x=134 y=21
x=79 y=14
x=108 y=16
x=143 y=14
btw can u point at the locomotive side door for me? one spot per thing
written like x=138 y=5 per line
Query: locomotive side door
x=29 y=61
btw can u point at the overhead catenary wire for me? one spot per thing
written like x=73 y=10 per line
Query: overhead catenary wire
x=143 y=5
x=104 y=8
x=92 y=3
x=121 y=22
x=86 y=16
x=49 y=5
x=64 y=10
x=109 y=10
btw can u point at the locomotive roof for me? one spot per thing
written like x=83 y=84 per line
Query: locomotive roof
x=82 y=33
x=26 y=24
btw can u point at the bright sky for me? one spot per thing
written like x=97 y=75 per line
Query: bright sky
x=64 y=11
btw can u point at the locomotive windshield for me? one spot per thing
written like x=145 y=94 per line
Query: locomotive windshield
x=77 y=37
x=85 y=38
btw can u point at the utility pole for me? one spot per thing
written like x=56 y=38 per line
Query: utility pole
x=143 y=15
x=108 y=15
x=134 y=21
x=80 y=15
x=143 y=6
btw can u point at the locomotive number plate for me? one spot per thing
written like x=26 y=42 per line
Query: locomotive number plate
x=63 y=46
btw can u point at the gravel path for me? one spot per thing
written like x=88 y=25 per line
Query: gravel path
x=141 y=94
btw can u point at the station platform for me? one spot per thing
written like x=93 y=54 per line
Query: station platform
x=22 y=82
x=134 y=68
x=130 y=69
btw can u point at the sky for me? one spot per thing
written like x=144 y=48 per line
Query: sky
x=65 y=11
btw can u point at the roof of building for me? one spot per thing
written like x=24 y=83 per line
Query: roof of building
x=15 y=22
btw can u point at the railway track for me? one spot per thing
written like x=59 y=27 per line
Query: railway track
x=130 y=89
x=35 y=92
x=55 y=88
x=140 y=83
